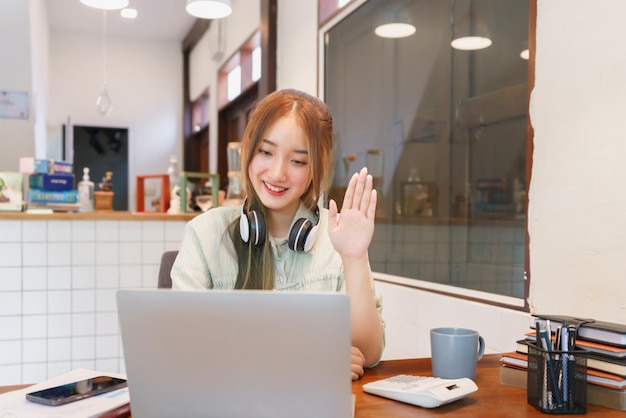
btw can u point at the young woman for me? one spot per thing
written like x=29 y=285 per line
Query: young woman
x=280 y=238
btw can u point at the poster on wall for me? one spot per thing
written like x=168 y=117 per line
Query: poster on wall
x=13 y=104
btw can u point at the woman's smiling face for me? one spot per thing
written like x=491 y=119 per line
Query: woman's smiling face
x=279 y=169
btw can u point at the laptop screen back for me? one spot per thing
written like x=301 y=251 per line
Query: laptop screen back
x=236 y=353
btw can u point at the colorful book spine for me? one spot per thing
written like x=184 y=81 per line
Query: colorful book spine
x=46 y=181
x=52 y=196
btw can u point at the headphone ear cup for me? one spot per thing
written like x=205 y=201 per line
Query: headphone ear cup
x=298 y=235
x=244 y=228
x=257 y=227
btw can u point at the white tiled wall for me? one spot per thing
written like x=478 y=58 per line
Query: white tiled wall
x=57 y=291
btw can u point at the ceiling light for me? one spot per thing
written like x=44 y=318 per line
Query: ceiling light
x=209 y=9
x=129 y=13
x=106 y=4
x=470 y=33
x=525 y=54
x=394 y=23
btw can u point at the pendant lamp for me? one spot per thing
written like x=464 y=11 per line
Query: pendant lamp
x=209 y=9
x=103 y=102
x=106 y=4
x=394 y=22
x=470 y=32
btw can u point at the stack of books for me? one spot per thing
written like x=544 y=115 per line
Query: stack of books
x=51 y=187
x=605 y=345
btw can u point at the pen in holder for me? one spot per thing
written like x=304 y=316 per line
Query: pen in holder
x=557 y=380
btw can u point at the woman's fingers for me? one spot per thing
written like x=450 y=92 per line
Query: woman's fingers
x=358 y=191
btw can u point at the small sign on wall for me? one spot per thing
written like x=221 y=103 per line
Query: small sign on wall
x=13 y=104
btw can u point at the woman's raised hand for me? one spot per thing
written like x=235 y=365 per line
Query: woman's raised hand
x=351 y=230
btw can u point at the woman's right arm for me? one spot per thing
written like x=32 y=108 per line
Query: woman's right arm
x=190 y=270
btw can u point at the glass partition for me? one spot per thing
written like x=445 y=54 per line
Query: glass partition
x=444 y=129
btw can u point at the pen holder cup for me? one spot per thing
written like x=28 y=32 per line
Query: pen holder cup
x=557 y=380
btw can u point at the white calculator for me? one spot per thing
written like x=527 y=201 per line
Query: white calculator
x=424 y=391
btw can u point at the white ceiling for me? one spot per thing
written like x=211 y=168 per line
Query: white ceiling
x=156 y=19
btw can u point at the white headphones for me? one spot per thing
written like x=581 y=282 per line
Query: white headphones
x=302 y=234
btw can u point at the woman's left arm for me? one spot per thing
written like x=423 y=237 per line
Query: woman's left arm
x=351 y=233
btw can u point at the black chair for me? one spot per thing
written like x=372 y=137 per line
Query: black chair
x=167 y=260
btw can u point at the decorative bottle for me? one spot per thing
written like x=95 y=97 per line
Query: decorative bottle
x=85 y=192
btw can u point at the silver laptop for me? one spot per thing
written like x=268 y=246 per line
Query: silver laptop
x=238 y=353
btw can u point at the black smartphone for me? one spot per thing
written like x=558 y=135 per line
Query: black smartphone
x=75 y=391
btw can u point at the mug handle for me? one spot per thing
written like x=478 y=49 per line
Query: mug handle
x=481 y=348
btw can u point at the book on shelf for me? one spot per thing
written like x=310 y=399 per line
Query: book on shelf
x=596 y=377
x=46 y=181
x=52 y=196
x=38 y=165
x=49 y=207
x=607 y=350
x=588 y=329
x=594 y=361
x=596 y=395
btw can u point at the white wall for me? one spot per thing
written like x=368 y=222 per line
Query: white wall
x=145 y=86
x=17 y=136
x=576 y=215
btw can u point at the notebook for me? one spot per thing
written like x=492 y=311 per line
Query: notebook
x=237 y=353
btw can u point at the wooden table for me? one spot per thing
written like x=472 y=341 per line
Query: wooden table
x=491 y=400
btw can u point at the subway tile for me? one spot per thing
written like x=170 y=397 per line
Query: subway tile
x=83 y=231
x=59 y=278
x=11 y=231
x=83 y=348
x=108 y=365
x=10 y=303
x=34 y=231
x=59 y=231
x=10 y=328
x=174 y=231
x=34 y=278
x=34 y=302
x=59 y=254
x=130 y=276
x=152 y=231
x=83 y=277
x=34 y=373
x=105 y=300
x=35 y=351
x=83 y=253
x=107 y=231
x=10 y=279
x=152 y=252
x=83 y=300
x=10 y=255
x=107 y=323
x=57 y=368
x=59 y=325
x=130 y=253
x=83 y=324
x=107 y=277
x=34 y=254
x=107 y=253
x=150 y=276
x=34 y=326
x=10 y=374
x=130 y=231
x=11 y=352
x=106 y=346
x=84 y=364
x=59 y=301
x=59 y=349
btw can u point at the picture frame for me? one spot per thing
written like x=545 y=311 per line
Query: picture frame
x=153 y=193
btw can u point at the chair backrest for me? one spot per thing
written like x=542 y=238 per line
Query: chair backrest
x=167 y=260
